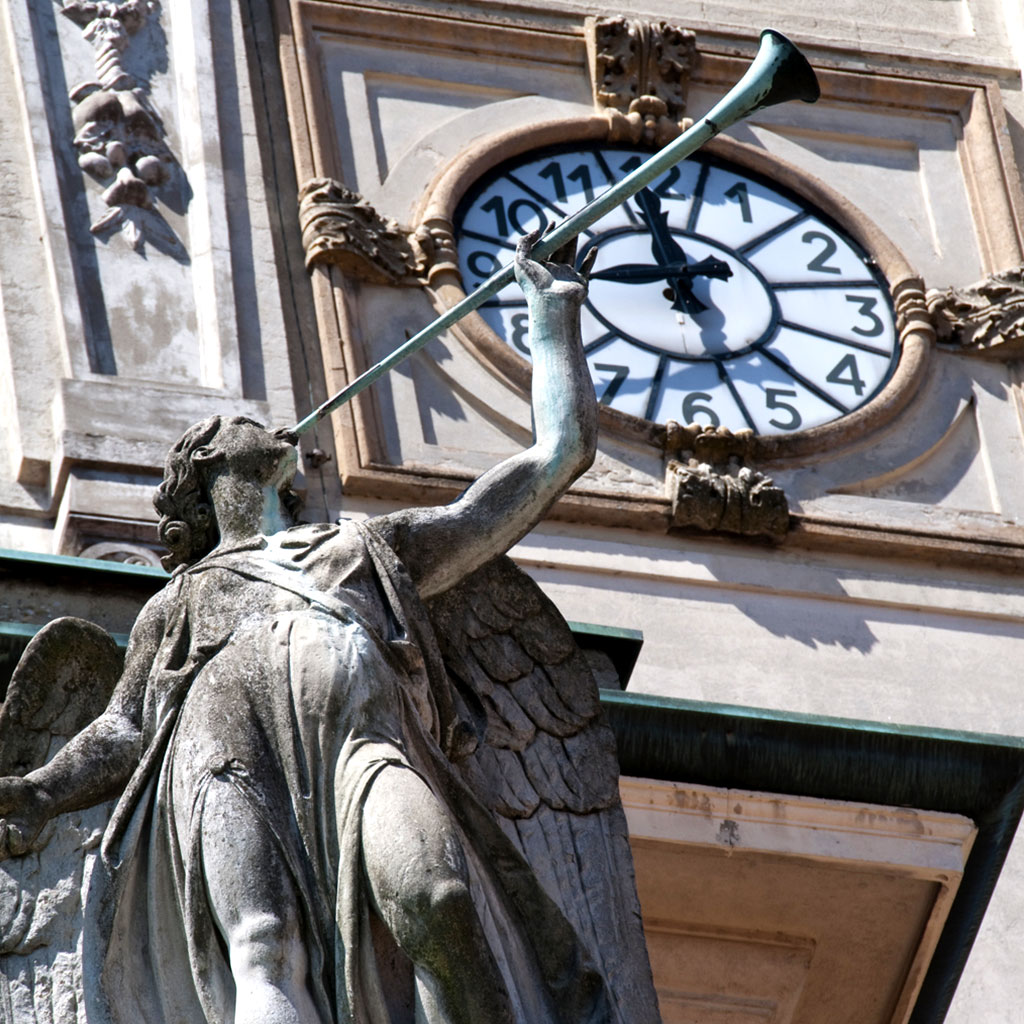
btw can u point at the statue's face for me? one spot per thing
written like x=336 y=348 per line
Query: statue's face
x=256 y=454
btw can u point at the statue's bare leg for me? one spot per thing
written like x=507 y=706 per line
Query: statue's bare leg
x=420 y=887
x=254 y=904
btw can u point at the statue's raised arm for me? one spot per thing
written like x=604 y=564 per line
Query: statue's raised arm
x=443 y=545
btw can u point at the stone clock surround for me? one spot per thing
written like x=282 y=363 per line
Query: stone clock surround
x=915 y=330
x=381 y=454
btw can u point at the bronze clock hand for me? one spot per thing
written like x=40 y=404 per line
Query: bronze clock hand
x=674 y=264
x=647 y=273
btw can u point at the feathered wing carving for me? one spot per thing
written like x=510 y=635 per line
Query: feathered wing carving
x=547 y=767
x=62 y=682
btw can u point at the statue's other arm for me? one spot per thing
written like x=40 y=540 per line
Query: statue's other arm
x=441 y=546
x=97 y=763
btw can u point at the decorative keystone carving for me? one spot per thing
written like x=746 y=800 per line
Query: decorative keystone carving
x=118 y=134
x=986 y=318
x=711 y=489
x=641 y=74
x=340 y=227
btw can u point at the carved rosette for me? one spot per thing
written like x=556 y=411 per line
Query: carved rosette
x=119 y=136
x=340 y=228
x=641 y=75
x=986 y=318
x=712 y=490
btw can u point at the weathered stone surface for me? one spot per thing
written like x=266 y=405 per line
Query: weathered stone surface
x=298 y=746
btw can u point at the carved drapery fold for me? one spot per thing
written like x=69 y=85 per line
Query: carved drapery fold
x=712 y=490
x=986 y=318
x=340 y=228
x=641 y=76
x=119 y=136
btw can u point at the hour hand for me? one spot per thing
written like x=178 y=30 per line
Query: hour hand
x=648 y=273
x=669 y=254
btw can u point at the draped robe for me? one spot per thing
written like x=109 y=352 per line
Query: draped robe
x=294 y=669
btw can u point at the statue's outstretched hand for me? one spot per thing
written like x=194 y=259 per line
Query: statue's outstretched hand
x=25 y=807
x=556 y=277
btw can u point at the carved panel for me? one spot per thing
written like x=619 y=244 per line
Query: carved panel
x=711 y=489
x=119 y=136
x=641 y=75
x=986 y=318
x=340 y=227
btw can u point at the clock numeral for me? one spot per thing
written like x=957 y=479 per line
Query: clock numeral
x=692 y=408
x=520 y=331
x=612 y=389
x=820 y=262
x=503 y=218
x=664 y=186
x=847 y=365
x=773 y=400
x=740 y=194
x=491 y=264
x=579 y=174
x=867 y=306
x=554 y=172
x=582 y=175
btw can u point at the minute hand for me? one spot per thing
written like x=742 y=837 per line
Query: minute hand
x=647 y=273
x=668 y=253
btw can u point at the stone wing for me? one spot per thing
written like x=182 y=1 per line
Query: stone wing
x=62 y=682
x=547 y=766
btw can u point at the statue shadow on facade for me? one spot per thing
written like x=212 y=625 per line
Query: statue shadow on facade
x=349 y=774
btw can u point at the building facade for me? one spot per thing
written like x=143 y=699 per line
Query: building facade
x=808 y=495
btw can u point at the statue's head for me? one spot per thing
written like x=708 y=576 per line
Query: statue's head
x=236 y=446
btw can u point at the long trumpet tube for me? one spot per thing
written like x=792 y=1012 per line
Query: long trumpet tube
x=778 y=73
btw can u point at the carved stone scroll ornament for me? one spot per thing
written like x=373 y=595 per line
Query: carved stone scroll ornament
x=118 y=134
x=641 y=74
x=340 y=228
x=986 y=318
x=712 y=490
x=121 y=551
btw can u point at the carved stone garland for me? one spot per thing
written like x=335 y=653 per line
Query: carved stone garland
x=641 y=75
x=711 y=489
x=118 y=134
x=986 y=318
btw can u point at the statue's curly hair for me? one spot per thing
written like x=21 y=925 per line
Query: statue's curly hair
x=188 y=527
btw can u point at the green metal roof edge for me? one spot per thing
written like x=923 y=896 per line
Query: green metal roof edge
x=616 y=631
x=975 y=774
x=653 y=701
x=79 y=564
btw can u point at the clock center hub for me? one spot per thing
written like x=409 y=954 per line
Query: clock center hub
x=709 y=303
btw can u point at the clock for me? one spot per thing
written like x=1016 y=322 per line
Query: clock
x=717 y=297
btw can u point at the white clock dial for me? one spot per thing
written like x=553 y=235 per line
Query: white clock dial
x=716 y=297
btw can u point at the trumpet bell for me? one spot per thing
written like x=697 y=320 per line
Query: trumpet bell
x=778 y=74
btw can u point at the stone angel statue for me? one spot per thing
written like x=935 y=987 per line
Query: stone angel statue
x=355 y=773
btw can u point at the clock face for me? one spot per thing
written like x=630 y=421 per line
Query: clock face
x=716 y=298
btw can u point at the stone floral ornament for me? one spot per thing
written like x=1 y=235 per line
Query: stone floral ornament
x=340 y=228
x=641 y=75
x=118 y=134
x=986 y=318
x=711 y=489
